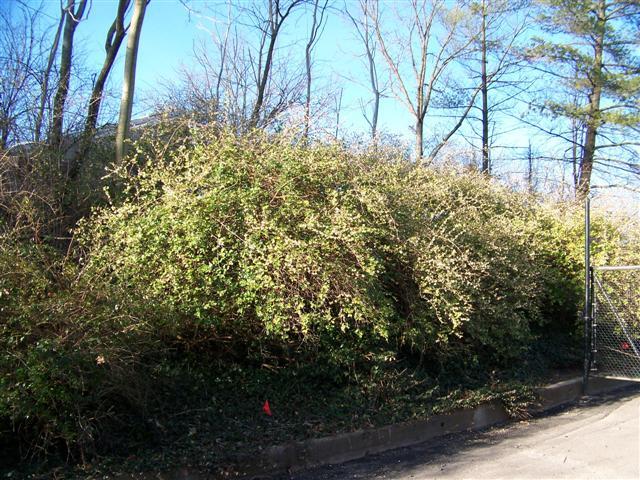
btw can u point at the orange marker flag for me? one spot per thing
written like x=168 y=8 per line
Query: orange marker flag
x=266 y=409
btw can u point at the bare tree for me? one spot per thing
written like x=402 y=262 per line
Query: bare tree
x=128 y=83
x=366 y=34
x=239 y=72
x=494 y=61
x=317 y=25
x=72 y=16
x=531 y=168
x=17 y=65
x=277 y=13
x=484 y=88
x=419 y=54
x=46 y=78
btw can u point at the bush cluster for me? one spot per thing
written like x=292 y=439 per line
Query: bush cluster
x=290 y=249
x=76 y=360
x=265 y=251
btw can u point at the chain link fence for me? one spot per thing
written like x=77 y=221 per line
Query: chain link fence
x=616 y=321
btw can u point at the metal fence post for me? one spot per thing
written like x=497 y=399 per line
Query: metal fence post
x=587 y=294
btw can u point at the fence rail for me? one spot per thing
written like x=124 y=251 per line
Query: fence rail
x=616 y=268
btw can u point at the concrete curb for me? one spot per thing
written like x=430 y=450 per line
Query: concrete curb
x=568 y=391
x=351 y=446
x=341 y=448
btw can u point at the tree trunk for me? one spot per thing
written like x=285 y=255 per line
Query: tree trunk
x=373 y=78
x=44 y=90
x=374 y=116
x=115 y=36
x=316 y=26
x=586 y=164
x=4 y=136
x=486 y=165
x=530 y=169
x=257 y=107
x=338 y=110
x=72 y=18
x=307 y=104
x=419 y=139
x=95 y=102
x=128 y=84
x=363 y=30
x=593 y=117
x=575 y=138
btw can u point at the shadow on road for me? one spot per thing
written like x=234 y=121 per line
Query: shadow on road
x=444 y=454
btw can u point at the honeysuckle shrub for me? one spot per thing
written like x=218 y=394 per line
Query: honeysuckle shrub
x=75 y=356
x=264 y=252
x=275 y=248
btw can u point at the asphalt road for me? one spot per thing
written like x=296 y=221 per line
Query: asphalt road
x=599 y=439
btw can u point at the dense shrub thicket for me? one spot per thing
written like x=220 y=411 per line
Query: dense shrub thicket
x=270 y=253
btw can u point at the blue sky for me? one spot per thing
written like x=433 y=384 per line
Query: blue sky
x=167 y=41
x=170 y=32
